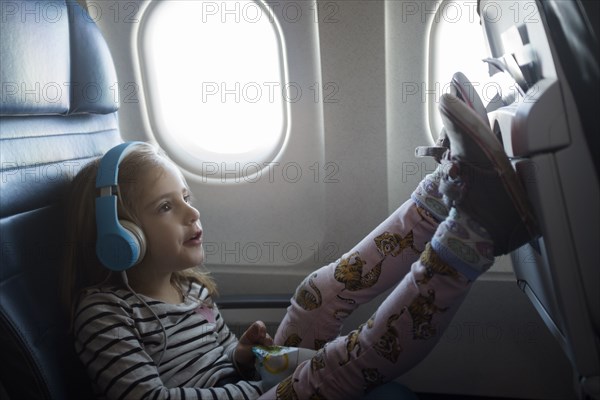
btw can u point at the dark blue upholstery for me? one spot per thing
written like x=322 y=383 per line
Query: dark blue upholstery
x=57 y=111
x=55 y=61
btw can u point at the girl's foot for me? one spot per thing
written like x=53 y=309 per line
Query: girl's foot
x=479 y=181
x=427 y=194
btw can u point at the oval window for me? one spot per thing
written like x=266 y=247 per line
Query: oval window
x=456 y=43
x=214 y=76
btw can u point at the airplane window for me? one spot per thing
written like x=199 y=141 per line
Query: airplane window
x=456 y=43
x=213 y=75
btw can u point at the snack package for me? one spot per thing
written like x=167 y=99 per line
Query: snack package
x=275 y=363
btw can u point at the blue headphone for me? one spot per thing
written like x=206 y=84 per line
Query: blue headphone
x=120 y=243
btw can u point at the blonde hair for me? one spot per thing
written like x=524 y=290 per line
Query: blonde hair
x=82 y=268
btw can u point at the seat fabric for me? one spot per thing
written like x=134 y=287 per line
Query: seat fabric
x=57 y=111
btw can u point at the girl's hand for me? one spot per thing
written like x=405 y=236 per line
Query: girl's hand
x=255 y=335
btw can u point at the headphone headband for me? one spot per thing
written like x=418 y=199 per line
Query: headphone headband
x=117 y=247
x=108 y=170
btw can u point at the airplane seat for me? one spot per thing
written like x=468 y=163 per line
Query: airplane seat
x=58 y=110
x=550 y=132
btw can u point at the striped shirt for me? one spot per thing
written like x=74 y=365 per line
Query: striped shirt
x=120 y=342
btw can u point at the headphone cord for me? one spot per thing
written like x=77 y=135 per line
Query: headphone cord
x=164 y=332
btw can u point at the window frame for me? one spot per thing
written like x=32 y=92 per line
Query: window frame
x=209 y=165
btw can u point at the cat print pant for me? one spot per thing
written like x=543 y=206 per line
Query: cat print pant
x=402 y=331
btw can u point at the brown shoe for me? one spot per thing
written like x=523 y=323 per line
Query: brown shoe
x=480 y=180
x=461 y=87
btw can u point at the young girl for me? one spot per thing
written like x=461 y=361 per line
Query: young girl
x=153 y=331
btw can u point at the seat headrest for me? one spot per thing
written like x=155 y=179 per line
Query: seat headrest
x=47 y=69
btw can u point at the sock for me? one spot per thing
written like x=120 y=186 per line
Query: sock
x=428 y=197
x=465 y=244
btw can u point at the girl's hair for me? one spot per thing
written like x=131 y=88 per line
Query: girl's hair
x=82 y=268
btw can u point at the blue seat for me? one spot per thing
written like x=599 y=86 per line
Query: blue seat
x=57 y=111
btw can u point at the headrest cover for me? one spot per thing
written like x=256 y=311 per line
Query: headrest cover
x=53 y=61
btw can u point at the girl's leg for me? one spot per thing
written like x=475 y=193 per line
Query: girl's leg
x=405 y=327
x=327 y=296
x=490 y=216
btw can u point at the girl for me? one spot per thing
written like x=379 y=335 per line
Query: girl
x=153 y=331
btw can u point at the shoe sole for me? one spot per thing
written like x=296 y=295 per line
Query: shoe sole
x=469 y=123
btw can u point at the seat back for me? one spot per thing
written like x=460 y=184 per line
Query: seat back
x=58 y=104
x=550 y=130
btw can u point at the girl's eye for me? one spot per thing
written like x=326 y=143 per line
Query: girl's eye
x=187 y=198
x=164 y=207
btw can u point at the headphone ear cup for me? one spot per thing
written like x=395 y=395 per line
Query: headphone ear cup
x=119 y=244
x=138 y=237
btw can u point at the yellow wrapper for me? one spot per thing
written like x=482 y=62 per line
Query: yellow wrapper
x=275 y=363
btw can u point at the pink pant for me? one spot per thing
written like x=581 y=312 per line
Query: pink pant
x=402 y=331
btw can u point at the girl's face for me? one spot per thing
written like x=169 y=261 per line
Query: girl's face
x=171 y=225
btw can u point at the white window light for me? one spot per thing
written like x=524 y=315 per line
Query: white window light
x=456 y=44
x=214 y=80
